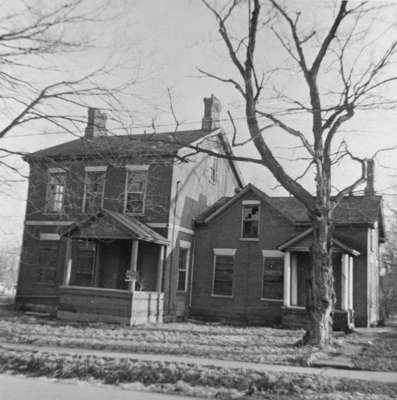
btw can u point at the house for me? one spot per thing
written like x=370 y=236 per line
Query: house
x=108 y=231
x=252 y=252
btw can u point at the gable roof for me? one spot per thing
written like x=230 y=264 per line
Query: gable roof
x=167 y=144
x=108 y=224
x=225 y=202
x=303 y=236
x=351 y=210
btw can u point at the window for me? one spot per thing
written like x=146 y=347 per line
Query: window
x=273 y=276
x=250 y=225
x=214 y=170
x=83 y=273
x=94 y=188
x=223 y=272
x=48 y=260
x=183 y=268
x=136 y=190
x=55 y=190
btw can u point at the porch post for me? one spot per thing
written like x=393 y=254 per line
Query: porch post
x=287 y=279
x=160 y=269
x=345 y=282
x=350 y=275
x=133 y=264
x=294 y=279
x=68 y=262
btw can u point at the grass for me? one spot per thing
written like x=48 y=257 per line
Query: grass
x=260 y=345
x=190 y=379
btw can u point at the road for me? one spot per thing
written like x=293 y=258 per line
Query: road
x=22 y=388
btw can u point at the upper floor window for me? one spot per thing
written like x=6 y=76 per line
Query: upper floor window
x=135 y=192
x=55 y=190
x=250 y=220
x=94 y=188
x=222 y=284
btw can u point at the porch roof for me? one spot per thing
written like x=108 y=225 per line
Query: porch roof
x=107 y=224
x=303 y=239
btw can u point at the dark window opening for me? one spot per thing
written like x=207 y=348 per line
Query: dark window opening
x=48 y=260
x=273 y=278
x=223 y=276
x=250 y=221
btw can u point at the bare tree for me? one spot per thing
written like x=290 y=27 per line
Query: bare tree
x=36 y=38
x=316 y=57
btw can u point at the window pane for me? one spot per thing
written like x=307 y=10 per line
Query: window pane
x=136 y=189
x=250 y=221
x=48 y=260
x=83 y=265
x=56 y=192
x=223 y=277
x=273 y=278
x=182 y=268
x=94 y=190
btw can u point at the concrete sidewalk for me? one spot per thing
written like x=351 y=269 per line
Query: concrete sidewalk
x=375 y=376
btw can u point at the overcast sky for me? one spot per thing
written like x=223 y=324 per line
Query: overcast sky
x=161 y=43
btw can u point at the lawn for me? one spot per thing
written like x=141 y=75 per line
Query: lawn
x=192 y=380
x=261 y=345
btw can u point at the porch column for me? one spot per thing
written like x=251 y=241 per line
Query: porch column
x=160 y=269
x=294 y=279
x=68 y=262
x=287 y=279
x=133 y=265
x=350 y=275
x=345 y=282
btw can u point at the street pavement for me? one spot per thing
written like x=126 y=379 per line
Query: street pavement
x=23 y=388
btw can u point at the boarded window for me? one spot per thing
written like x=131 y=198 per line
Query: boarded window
x=83 y=265
x=136 y=192
x=223 y=275
x=94 y=188
x=55 y=191
x=48 y=261
x=183 y=269
x=273 y=278
x=250 y=221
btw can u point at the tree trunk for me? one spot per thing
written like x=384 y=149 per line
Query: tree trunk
x=320 y=293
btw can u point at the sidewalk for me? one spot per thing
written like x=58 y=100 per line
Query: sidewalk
x=375 y=376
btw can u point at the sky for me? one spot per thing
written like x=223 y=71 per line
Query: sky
x=161 y=43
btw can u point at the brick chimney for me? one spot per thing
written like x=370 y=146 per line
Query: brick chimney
x=370 y=188
x=212 y=111
x=96 y=124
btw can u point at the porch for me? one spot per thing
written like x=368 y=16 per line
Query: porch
x=113 y=271
x=296 y=261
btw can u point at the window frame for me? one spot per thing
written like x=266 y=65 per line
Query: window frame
x=185 y=246
x=271 y=254
x=88 y=170
x=45 y=241
x=227 y=253
x=51 y=172
x=132 y=169
x=250 y=203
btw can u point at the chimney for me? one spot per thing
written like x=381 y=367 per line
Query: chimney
x=370 y=189
x=212 y=111
x=96 y=124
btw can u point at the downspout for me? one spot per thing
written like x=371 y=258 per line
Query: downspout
x=172 y=305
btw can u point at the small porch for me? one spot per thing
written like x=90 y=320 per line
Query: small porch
x=296 y=261
x=113 y=271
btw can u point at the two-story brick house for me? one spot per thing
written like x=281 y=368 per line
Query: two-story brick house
x=109 y=220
